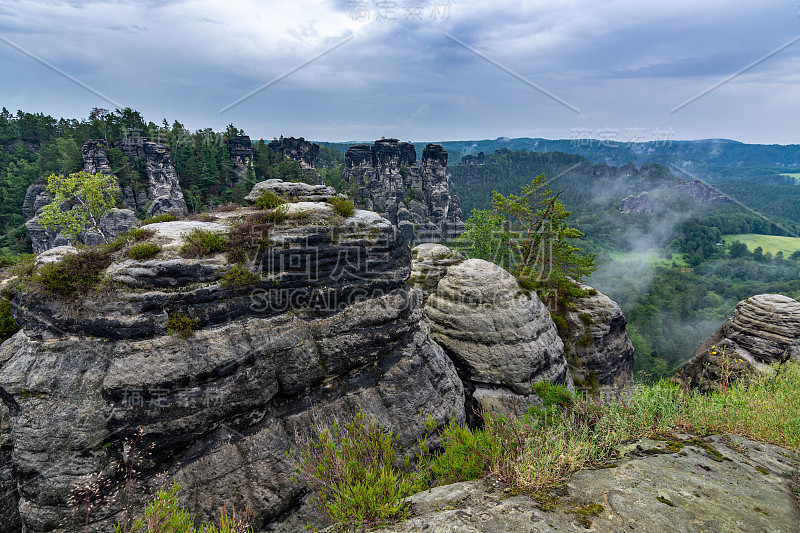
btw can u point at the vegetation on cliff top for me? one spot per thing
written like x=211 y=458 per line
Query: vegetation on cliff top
x=352 y=465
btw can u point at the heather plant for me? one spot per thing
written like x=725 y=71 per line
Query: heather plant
x=269 y=200
x=155 y=219
x=343 y=206
x=203 y=242
x=356 y=471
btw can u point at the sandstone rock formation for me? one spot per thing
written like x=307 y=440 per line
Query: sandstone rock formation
x=501 y=340
x=598 y=350
x=161 y=194
x=638 y=205
x=415 y=197
x=764 y=329
x=705 y=194
x=650 y=489
x=163 y=189
x=470 y=159
x=330 y=328
x=241 y=153
x=299 y=150
x=429 y=262
x=299 y=192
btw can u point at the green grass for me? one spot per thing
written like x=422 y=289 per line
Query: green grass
x=181 y=325
x=165 y=513
x=769 y=243
x=654 y=259
x=143 y=251
x=355 y=470
x=344 y=207
x=795 y=175
x=165 y=217
x=201 y=242
x=74 y=275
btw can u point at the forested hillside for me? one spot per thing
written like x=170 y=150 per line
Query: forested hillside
x=670 y=267
x=32 y=146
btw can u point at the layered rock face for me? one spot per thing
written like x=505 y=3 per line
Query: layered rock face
x=241 y=152
x=429 y=262
x=415 y=197
x=163 y=193
x=299 y=150
x=163 y=188
x=595 y=344
x=501 y=340
x=764 y=329
x=329 y=329
x=598 y=350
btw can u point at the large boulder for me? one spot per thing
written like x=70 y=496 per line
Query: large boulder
x=764 y=329
x=110 y=396
x=429 y=262
x=501 y=339
x=597 y=347
x=300 y=192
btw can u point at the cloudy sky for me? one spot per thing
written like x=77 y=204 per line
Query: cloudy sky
x=420 y=70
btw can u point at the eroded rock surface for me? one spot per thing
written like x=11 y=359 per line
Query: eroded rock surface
x=429 y=262
x=764 y=329
x=329 y=329
x=650 y=489
x=415 y=197
x=598 y=350
x=497 y=336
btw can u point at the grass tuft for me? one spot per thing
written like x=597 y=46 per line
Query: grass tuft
x=239 y=276
x=74 y=275
x=143 y=251
x=269 y=200
x=181 y=325
x=343 y=206
x=202 y=242
x=164 y=217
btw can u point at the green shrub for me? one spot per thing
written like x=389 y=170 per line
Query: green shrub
x=277 y=215
x=561 y=325
x=164 y=217
x=182 y=325
x=239 y=276
x=343 y=206
x=576 y=433
x=8 y=326
x=143 y=251
x=202 y=242
x=165 y=514
x=269 y=200
x=356 y=472
x=140 y=234
x=74 y=274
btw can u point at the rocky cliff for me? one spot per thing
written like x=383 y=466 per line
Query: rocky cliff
x=415 y=197
x=110 y=396
x=764 y=329
x=241 y=152
x=161 y=194
x=299 y=150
